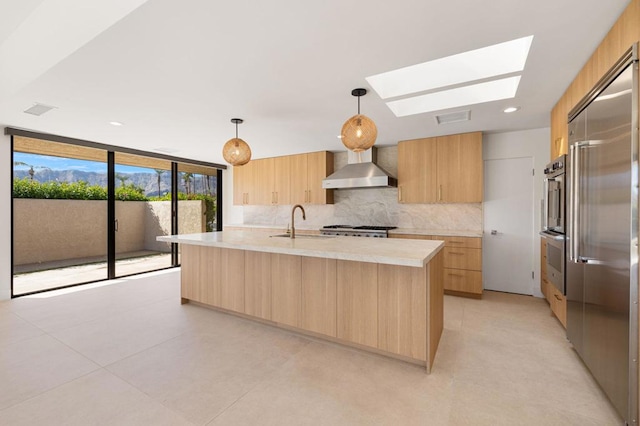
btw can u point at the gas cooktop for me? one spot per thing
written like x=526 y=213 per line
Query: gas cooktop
x=357 y=231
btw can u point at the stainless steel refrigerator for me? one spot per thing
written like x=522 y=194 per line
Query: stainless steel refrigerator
x=602 y=242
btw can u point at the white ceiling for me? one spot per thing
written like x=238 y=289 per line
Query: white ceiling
x=175 y=73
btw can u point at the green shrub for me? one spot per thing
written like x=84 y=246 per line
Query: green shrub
x=27 y=188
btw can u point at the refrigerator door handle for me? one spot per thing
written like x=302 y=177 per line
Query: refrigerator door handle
x=573 y=204
x=574 y=201
x=545 y=213
x=590 y=261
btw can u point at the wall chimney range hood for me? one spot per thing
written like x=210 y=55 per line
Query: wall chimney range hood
x=360 y=172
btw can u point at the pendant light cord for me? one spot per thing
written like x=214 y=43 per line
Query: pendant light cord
x=236 y=130
x=358 y=104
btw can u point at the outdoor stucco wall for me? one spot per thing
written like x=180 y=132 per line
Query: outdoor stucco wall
x=191 y=219
x=49 y=230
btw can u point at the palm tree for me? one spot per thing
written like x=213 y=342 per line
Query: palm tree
x=159 y=172
x=32 y=171
x=122 y=179
x=186 y=177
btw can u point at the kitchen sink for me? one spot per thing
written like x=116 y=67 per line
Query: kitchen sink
x=301 y=236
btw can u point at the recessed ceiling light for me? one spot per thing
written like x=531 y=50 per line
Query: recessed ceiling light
x=511 y=109
x=505 y=88
x=491 y=61
x=115 y=123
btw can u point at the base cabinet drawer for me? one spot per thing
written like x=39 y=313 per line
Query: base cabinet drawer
x=463 y=281
x=558 y=304
x=463 y=258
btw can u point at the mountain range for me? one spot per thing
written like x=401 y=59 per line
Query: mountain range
x=147 y=181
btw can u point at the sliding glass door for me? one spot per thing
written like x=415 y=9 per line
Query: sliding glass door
x=89 y=212
x=143 y=211
x=59 y=216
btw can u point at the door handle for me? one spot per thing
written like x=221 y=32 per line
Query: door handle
x=115 y=223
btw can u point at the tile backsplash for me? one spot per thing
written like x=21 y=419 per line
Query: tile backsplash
x=372 y=206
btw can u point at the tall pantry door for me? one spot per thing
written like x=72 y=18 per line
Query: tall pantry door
x=507 y=253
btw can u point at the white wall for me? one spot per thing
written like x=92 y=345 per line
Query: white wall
x=6 y=171
x=527 y=143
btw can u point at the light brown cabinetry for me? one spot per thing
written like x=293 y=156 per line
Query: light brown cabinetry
x=393 y=309
x=230 y=280
x=204 y=280
x=286 y=300
x=319 y=295
x=445 y=169
x=293 y=179
x=462 y=263
x=357 y=302
x=257 y=288
x=557 y=301
x=622 y=35
x=417 y=172
x=243 y=181
x=402 y=298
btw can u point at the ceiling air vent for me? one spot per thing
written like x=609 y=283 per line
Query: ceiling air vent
x=39 y=109
x=453 y=117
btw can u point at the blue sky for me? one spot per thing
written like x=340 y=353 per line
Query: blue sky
x=61 y=163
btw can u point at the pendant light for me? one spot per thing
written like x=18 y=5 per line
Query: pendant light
x=236 y=151
x=359 y=133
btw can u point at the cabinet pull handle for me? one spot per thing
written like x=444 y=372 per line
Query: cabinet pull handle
x=308 y=196
x=455 y=242
x=557 y=297
x=455 y=275
x=305 y=195
x=399 y=193
x=276 y=197
x=455 y=252
x=440 y=193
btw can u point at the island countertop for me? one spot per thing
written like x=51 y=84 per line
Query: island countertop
x=415 y=253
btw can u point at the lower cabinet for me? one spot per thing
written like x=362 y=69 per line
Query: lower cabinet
x=230 y=280
x=402 y=311
x=258 y=284
x=557 y=300
x=462 y=263
x=286 y=279
x=319 y=299
x=391 y=308
x=357 y=302
x=202 y=279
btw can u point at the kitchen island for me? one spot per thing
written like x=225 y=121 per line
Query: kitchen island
x=380 y=295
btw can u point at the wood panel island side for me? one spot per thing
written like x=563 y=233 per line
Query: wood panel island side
x=380 y=295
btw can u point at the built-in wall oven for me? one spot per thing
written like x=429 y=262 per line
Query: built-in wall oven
x=553 y=219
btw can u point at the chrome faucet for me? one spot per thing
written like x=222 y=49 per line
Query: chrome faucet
x=304 y=217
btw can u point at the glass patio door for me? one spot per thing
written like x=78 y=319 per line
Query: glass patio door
x=143 y=211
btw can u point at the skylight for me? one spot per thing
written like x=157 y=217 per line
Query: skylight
x=467 y=95
x=491 y=61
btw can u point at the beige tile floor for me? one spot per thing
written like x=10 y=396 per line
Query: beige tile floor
x=128 y=353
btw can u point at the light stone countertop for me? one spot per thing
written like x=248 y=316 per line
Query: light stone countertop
x=436 y=232
x=397 y=231
x=415 y=253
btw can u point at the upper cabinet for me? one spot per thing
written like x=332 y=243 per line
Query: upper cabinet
x=620 y=37
x=293 y=179
x=446 y=169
